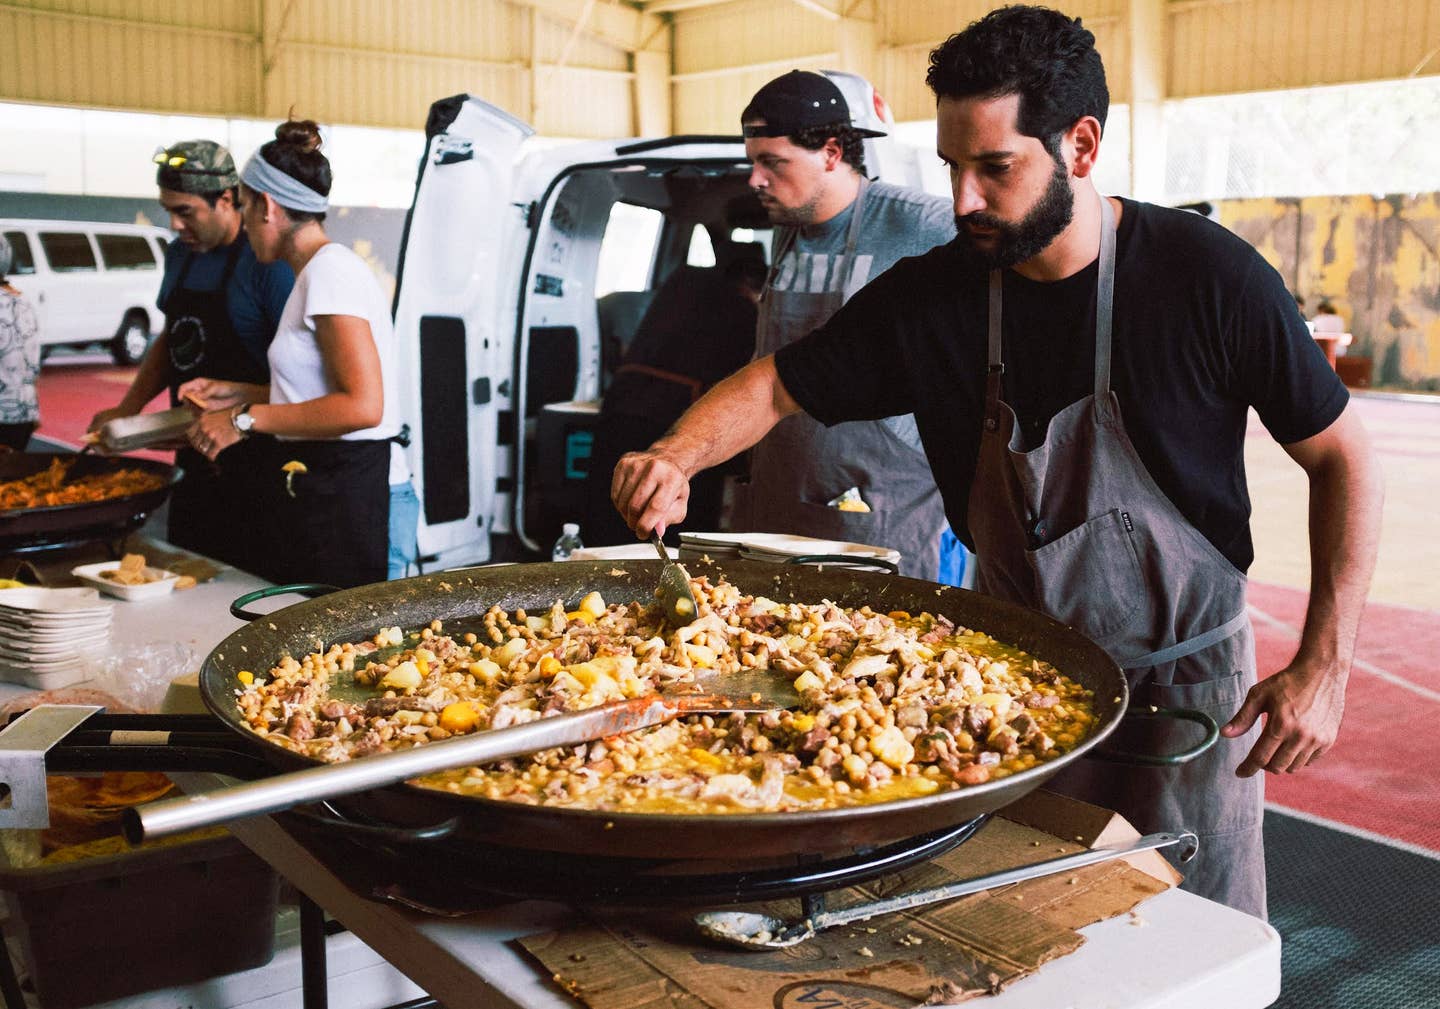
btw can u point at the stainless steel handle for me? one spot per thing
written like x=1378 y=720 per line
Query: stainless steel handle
x=271 y=795
x=920 y=898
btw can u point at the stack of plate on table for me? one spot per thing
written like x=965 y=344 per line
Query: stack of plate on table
x=777 y=547
x=716 y=546
x=52 y=637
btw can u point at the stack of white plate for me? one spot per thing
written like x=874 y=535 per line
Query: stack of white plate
x=776 y=547
x=716 y=546
x=52 y=638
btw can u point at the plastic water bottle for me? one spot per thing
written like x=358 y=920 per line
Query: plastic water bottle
x=568 y=542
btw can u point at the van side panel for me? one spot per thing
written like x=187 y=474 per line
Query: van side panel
x=457 y=277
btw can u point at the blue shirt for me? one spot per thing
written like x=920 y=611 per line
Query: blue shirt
x=256 y=293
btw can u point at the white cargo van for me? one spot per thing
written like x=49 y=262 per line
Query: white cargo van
x=90 y=282
x=522 y=277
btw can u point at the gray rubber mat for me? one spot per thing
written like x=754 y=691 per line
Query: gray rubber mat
x=1359 y=920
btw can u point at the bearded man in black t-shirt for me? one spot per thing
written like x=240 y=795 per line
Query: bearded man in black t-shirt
x=1081 y=370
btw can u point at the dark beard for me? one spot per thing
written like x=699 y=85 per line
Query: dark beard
x=792 y=217
x=1015 y=243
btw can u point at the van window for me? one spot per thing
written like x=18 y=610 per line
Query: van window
x=67 y=251
x=627 y=252
x=24 y=259
x=702 y=250
x=125 y=252
x=764 y=236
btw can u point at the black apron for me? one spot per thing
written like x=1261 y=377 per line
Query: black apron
x=331 y=524
x=1077 y=527
x=210 y=508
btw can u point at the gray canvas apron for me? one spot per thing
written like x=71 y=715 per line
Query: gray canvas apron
x=801 y=464
x=1077 y=527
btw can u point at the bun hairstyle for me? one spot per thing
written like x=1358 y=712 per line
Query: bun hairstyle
x=296 y=152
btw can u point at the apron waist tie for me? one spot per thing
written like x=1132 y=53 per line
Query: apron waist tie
x=1190 y=645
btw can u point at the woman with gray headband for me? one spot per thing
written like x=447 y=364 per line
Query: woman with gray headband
x=19 y=360
x=327 y=419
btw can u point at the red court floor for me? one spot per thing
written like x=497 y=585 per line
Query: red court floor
x=72 y=391
x=1381 y=775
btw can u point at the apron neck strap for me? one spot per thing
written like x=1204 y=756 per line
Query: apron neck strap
x=996 y=364
x=852 y=233
x=1104 y=299
x=1104 y=315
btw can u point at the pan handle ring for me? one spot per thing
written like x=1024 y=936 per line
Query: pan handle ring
x=876 y=562
x=1212 y=734
x=327 y=816
x=309 y=589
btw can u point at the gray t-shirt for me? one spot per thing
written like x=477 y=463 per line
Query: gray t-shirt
x=897 y=222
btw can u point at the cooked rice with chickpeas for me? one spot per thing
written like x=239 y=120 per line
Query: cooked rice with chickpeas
x=892 y=705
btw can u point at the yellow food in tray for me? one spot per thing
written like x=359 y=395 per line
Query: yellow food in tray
x=892 y=705
x=132 y=571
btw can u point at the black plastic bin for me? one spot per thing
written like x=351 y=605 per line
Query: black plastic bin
x=115 y=925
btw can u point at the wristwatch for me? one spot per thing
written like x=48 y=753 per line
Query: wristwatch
x=242 y=421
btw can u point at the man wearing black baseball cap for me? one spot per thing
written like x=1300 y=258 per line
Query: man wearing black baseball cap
x=836 y=230
x=221 y=308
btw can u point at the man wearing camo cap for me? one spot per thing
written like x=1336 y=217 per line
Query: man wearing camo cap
x=221 y=308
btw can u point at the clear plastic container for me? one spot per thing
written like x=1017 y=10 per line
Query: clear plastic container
x=568 y=542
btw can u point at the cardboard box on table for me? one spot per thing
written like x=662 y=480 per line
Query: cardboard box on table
x=938 y=954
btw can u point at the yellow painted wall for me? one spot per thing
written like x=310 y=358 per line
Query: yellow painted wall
x=1376 y=259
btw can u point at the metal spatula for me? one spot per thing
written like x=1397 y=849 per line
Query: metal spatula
x=674 y=589
x=747 y=693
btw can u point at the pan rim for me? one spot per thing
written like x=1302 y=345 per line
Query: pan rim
x=642 y=571
x=170 y=471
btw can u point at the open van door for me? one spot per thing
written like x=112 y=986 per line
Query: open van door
x=452 y=363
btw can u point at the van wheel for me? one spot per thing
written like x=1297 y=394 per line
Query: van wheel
x=131 y=342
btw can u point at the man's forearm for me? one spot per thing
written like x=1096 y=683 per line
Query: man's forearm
x=728 y=419
x=1346 y=495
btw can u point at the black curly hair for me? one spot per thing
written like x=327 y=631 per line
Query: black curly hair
x=1045 y=57
x=852 y=144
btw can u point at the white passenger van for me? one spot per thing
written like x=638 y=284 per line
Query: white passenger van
x=90 y=282
x=522 y=277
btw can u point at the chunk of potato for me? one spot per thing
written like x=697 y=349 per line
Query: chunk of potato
x=890 y=746
x=593 y=604
x=405 y=676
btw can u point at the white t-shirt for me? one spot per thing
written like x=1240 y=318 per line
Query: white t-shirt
x=335 y=282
